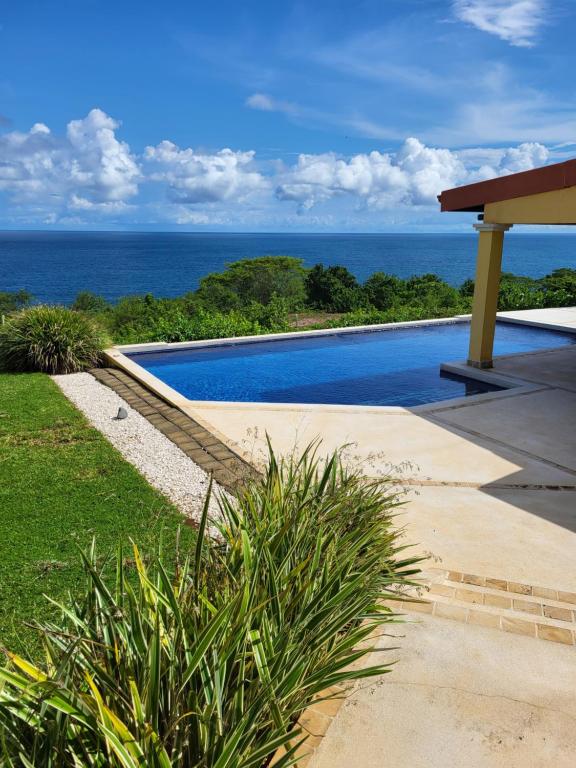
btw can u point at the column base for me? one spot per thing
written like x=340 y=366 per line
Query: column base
x=480 y=363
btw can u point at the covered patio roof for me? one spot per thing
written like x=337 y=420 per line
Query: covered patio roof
x=542 y=196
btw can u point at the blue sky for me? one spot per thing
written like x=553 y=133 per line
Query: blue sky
x=317 y=116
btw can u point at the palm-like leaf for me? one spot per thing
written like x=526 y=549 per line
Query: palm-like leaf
x=208 y=663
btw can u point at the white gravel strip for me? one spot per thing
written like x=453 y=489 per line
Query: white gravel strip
x=161 y=462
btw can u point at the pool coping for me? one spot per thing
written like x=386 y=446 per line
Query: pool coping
x=160 y=346
x=118 y=357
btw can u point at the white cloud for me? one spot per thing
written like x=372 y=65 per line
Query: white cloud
x=413 y=176
x=195 y=177
x=265 y=103
x=261 y=101
x=88 y=174
x=77 y=203
x=88 y=163
x=515 y=21
x=523 y=158
x=316 y=178
x=101 y=164
x=183 y=214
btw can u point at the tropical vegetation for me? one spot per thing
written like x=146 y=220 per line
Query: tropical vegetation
x=50 y=340
x=277 y=294
x=205 y=657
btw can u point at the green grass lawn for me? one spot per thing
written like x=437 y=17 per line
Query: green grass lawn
x=61 y=484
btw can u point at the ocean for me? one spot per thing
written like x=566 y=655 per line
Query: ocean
x=55 y=266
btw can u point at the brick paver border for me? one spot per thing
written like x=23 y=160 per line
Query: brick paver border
x=512 y=586
x=539 y=612
x=205 y=449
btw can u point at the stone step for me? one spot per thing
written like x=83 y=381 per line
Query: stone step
x=508 y=603
x=497 y=585
x=505 y=595
x=521 y=624
x=539 y=612
x=513 y=611
x=436 y=582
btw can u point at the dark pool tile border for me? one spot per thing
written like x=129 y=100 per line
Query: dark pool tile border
x=205 y=449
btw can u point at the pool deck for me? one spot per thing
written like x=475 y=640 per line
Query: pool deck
x=487 y=672
x=492 y=492
x=490 y=475
x=560 y=318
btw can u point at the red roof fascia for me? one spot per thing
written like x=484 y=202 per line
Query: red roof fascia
x=473 y=197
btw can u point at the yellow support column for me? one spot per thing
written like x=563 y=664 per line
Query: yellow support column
x=485 y=304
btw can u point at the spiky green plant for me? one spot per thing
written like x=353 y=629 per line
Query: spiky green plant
x=208 y=663
x=50 y=340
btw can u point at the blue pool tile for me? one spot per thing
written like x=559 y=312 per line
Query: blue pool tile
x=399 y=366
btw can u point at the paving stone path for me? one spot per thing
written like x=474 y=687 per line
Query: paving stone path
x=206 y=450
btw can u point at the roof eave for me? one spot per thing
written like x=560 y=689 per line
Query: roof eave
x=473 y=197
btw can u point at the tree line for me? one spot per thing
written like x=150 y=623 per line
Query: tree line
x=270 y=294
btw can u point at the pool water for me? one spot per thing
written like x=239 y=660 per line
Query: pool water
x=398 y=366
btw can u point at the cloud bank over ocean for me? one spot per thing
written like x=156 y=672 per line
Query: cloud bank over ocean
x=326 y=116
x=88 y=173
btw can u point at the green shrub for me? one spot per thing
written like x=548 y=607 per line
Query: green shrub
x=399 y=314
x=560 y=288
x=133 y=313
x=208 y=662
x=86 y=301
x=254 y=280
x=466 y=290
x=49 y=340
x=271 y=317
x=382 y=290
x=215 y=294
x=333 y=289
x=12 y=301
x=171 y=320
x=201 y=325
x=432 y=292
x=518 y=292
x=557 y=289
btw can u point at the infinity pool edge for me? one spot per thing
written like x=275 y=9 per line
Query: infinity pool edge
x=118 y=356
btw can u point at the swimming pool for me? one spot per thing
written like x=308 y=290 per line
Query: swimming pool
x=394 y=366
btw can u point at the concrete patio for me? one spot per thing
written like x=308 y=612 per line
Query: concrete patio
x=492 y=478
x=491 y=492
x=460 y=696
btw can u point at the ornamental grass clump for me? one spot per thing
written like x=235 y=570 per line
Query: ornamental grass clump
x=49 y=340
x=207 y=661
